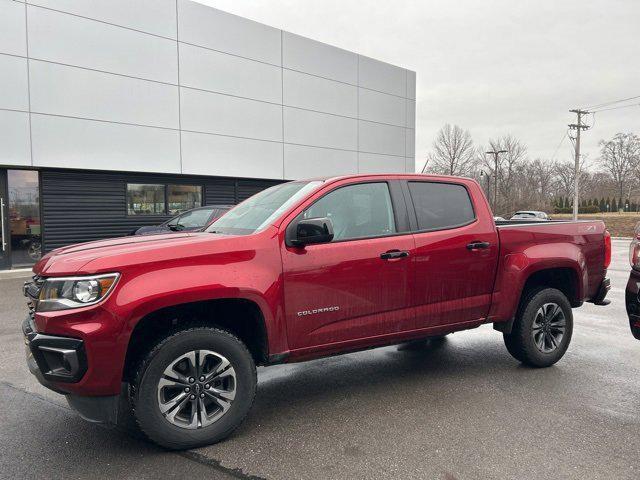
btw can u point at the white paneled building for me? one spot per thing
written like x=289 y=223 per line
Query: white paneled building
x=99 y=94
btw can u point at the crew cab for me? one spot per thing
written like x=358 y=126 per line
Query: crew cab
x=171 y=327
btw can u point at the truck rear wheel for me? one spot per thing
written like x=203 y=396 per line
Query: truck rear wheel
x=542 y=329
x=194 y=388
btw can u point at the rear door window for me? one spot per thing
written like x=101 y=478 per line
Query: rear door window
x=441 y=205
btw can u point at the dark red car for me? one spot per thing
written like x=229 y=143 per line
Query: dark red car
x=301 y=270
x=632 y=293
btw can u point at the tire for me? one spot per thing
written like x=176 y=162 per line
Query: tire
x=225 y=398
x=542 y=329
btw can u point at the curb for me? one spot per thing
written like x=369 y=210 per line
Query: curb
x=15 y=273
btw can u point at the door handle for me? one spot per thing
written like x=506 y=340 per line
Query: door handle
x=394 y=254
x=478 y=245
x=2 y=232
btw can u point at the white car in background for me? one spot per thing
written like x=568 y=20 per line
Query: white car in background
x=530 y=215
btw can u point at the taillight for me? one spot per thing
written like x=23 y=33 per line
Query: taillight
x=634 y=252
x=607 y=249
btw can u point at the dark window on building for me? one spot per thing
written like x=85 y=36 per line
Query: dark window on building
x=183 y=197
x=159 y=199
x=145 y=199
x=441 y=205
x=357 y=211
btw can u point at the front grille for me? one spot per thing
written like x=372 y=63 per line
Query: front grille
x=31 y=290
x=32 y=309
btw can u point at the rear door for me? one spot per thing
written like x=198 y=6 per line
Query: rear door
x=456 y=253
x=359 y=285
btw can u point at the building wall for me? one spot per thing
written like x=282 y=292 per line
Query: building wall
x=81 y=206
x=173 y=86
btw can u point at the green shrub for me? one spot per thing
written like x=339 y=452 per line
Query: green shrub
x=587 y=209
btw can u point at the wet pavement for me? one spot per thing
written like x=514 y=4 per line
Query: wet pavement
x=458 y=409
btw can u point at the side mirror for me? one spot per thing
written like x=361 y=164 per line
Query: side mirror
x=312 y=230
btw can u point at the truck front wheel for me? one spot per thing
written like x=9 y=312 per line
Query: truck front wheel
x=542 y=329
x=194 y=388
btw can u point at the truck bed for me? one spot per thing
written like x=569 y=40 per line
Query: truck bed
x=554 y=242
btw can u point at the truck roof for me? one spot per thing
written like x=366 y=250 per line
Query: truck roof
x=387 y=175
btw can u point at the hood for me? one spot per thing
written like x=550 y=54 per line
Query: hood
x=119 y=253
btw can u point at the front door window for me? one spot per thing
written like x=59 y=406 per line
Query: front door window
x=357 y=211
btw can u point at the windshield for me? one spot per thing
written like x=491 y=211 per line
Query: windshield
x=260 y=210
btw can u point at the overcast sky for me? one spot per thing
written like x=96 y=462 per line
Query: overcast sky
x=494 y=66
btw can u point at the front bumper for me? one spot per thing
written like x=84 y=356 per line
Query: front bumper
x=632 y=301
x=57 y=359
x=53 y=360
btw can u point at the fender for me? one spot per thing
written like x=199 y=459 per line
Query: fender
x=202 y=268
x=516 y=268
x=179 y=285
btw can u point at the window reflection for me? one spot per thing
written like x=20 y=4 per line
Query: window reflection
x=183 y=197
x=24 y=217
x=145 y=199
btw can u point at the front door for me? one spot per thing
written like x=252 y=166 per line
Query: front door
x=20 y=225
x=350 y=288
x=4 y=223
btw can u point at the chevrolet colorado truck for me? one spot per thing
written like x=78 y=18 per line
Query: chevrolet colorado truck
x=171 y=327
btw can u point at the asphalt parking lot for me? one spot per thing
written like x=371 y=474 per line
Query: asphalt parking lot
x=462 y=409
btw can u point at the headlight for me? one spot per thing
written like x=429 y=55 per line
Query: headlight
x=74 y=292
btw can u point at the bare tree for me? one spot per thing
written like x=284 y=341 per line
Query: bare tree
x=509 y=165
x=565 y=174
x=453 y=152
x=536 y=184
x=542 y=174
x=620 y=157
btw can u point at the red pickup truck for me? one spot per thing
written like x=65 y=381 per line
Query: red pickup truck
x=176 y=324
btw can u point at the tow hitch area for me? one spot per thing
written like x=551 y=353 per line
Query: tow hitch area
x=599 y=299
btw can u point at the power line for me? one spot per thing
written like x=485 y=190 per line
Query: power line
x=616 y=108
x=553 y=157
x=611 y=103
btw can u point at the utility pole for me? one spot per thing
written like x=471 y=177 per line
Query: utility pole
x=576 y=187
x=495 y=154
x=482 y=175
